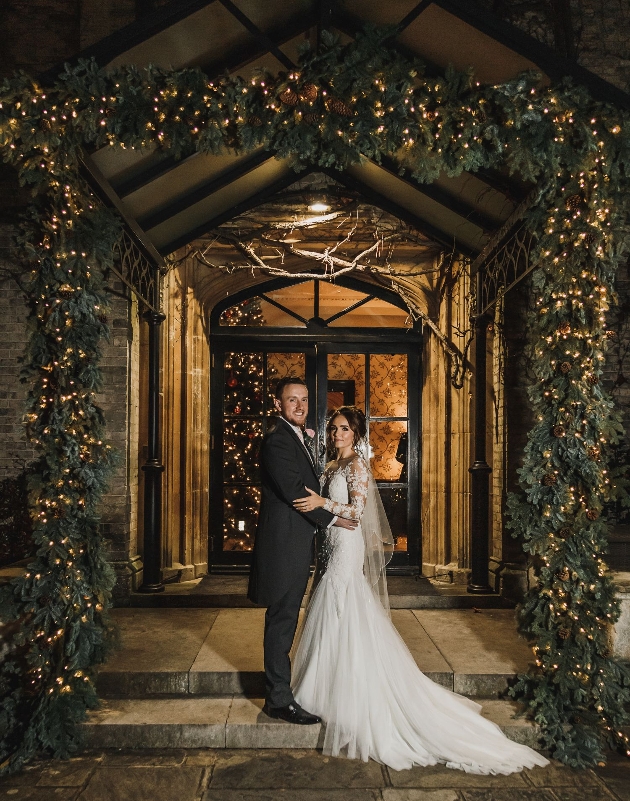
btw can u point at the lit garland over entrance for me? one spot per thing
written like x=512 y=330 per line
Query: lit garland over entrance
x=341 y=104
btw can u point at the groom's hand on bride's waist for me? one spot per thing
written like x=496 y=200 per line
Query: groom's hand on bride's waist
x=344 y=522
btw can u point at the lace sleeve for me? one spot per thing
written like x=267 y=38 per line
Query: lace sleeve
x=357 y=478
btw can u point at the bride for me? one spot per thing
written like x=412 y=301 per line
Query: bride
x=351 y=666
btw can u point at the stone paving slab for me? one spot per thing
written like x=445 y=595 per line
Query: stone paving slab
x=248 y=727
x=423 y=649
x=158 y=723
x=230 y=659
x=158 y=649
x=482 y=648
x=234 y=722
x=219 y=652
x=206 y=774
x=144 y=784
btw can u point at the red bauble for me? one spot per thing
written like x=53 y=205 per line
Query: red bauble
x=237 y=410
x=232 y=382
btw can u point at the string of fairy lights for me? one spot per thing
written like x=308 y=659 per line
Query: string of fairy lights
x=343 y=103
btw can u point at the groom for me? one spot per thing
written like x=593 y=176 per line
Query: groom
x=284 y=544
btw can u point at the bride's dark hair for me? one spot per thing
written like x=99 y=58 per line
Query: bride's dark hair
x=356 y=421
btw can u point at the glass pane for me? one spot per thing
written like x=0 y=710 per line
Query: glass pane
x=243 y=391
x=375 y=313
x=344 y=368
x=300 y=298
x=333 y=299
x=248 y=312
x=395 y=503
x=241 y=444
x=280 y=365
x=388 y=385
x=240 y=514
x=385 y=444
x=279 y=318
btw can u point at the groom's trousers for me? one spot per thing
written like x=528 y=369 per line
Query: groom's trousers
x=280 y=624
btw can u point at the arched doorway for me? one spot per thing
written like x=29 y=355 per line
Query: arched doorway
x=352 y=342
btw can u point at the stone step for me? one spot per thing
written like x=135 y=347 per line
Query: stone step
x=234 y=722
x=197 y=652
x=225 y=592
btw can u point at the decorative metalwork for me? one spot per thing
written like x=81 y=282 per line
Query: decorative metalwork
x=135 y=270
x=505 y=261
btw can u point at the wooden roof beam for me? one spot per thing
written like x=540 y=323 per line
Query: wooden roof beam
x=234 y=211
x=375 y=198
x=205 y=190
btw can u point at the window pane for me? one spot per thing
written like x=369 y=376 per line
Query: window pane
x=334 y=299
x=240 y=515
x=376 y=313
x=346 y=367
x=385 y=443
x=248 y=312
x=281 y=365
x=395 y=503
x=243 y=391
x=241 y=446
x=388 y=385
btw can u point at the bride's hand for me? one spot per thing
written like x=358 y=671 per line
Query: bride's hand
x=312 y=501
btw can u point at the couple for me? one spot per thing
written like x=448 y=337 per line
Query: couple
x=351 y=668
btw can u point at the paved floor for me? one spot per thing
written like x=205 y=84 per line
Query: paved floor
x=306 y=775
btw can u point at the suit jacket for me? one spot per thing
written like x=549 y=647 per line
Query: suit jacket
x=284 y=538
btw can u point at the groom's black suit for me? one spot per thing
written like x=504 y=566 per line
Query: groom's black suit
x=282 y=551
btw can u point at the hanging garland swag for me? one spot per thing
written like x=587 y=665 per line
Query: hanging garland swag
x=342 y=103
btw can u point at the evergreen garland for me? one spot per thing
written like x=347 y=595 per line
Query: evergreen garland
x=342 y=103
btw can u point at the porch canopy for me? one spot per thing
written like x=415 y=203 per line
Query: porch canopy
x=169 y=202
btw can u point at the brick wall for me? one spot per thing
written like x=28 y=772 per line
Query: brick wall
x=15 y=452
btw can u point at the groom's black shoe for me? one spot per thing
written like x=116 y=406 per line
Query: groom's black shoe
x=292 y=713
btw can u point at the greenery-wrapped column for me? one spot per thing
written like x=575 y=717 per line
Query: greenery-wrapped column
x=577 y=692
x=62 y=600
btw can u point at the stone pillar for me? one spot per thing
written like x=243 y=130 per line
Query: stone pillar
x=120 y=402
x=446 y=418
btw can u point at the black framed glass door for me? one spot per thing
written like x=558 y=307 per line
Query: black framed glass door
x=379 y=374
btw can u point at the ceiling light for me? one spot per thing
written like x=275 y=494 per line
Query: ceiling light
x=319 y=206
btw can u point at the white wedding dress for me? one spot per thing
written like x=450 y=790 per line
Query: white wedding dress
x=352 y=668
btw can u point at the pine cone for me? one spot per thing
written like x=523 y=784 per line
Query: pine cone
x=289 y=97
x=312 y=119
x=256 y=122
x=593 y=380
x=431 y=115
x=573 y=202
x=549 y=480
x=564 y=574
x=564 y=533
x=592 y=514
x=338 y=106
x=564 y=633
x=589 y=238
x=611 y=334
x=564 y=328
x=565 y=367
x=309 y=92
x=559 y=431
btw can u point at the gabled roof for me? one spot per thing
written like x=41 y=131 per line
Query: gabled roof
x=169 y=202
